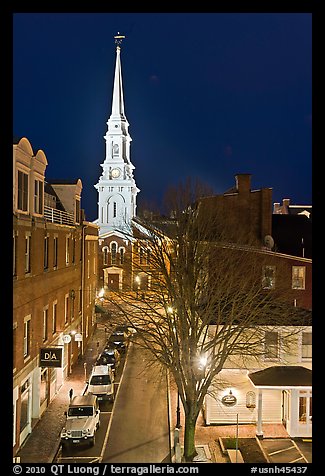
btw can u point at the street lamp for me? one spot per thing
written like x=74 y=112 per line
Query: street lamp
x=137 y=280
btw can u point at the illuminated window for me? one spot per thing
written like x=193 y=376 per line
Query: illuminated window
x=306 y=345
x=298 y=277
x=105 y=255
x=122 y=250
x=67 y=250
x=113 y=253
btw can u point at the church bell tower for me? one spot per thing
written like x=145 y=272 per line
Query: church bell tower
x=116 y=187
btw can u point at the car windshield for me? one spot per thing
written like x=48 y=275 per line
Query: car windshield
x=80 y=411
x=109 y=351
x=107 y=359
x=100 y=380
x=116 y=338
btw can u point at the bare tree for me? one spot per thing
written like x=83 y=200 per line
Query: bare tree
x=208 y=301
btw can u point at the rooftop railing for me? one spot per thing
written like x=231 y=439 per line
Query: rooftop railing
x=58 y=216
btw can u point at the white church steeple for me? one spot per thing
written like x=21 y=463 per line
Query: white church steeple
x=116 y=187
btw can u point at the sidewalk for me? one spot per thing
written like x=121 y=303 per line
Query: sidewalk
x=43 y=442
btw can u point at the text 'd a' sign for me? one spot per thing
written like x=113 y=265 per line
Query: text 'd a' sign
x=50 y=357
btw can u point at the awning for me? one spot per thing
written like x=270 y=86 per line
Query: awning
x=282 y=376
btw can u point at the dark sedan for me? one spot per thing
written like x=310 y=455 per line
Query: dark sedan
x=119 y=341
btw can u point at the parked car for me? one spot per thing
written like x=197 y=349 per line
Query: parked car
x=119 y=341
x=82 y=421
x=125 y=330
x=111 y=357
x=101 y=382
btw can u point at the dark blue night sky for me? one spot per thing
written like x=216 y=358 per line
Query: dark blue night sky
x=207 y=96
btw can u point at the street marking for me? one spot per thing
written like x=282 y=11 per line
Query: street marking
x=281 y=451
x=111 y=419
x=298 y=459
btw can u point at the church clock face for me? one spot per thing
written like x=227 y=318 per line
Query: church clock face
x=116 y=173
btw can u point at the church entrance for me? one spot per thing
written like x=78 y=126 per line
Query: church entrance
x=113 y=282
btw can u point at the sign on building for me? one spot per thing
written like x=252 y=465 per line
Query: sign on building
x=50 y=357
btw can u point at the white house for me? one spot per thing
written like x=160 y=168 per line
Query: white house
x=276 y=388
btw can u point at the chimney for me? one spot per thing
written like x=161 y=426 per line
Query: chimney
x=285 y=206
x=243 y=182
x=276 y=208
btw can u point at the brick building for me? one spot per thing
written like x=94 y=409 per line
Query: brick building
x=54 y=284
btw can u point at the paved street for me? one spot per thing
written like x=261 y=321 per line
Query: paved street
x=139 y=431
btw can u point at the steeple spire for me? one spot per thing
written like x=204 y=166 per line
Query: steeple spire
x=116 y=187
x=118 y=101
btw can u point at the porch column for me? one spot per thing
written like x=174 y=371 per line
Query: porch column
x=259 y=431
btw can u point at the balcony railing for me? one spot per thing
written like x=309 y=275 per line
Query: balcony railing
x=58 y=216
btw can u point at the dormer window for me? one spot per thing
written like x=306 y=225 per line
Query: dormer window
x=22 y=199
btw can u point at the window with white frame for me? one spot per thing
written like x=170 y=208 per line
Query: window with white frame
x=38 y=196
x=22 y=197
x=268 y=277
x=67 y=250
x=113 y=252
x=28 y=243
x=122 y=252
x=105 y=255
x=298 y=277
x=55 y=251
x=46 y=251
x=66 y=308
x=306 y=345
x=271 y=345
x=45 y=323
x=54 y=316
x=27 y=332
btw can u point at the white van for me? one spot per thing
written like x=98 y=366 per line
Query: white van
x=101 y=382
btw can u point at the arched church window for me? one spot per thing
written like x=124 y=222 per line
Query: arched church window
x=105 y=255
x=113 y=252
x=115 y=149
x=122 y=250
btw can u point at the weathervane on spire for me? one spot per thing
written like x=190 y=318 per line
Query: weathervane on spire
x=118 y=39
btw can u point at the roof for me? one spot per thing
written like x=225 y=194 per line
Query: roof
x=292 y=234
x=282 y=376
x=61 y=181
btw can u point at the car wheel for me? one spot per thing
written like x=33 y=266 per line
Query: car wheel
x=92 y=441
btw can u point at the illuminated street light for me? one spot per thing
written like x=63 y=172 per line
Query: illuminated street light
x=101 y=293
x=137 y=280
